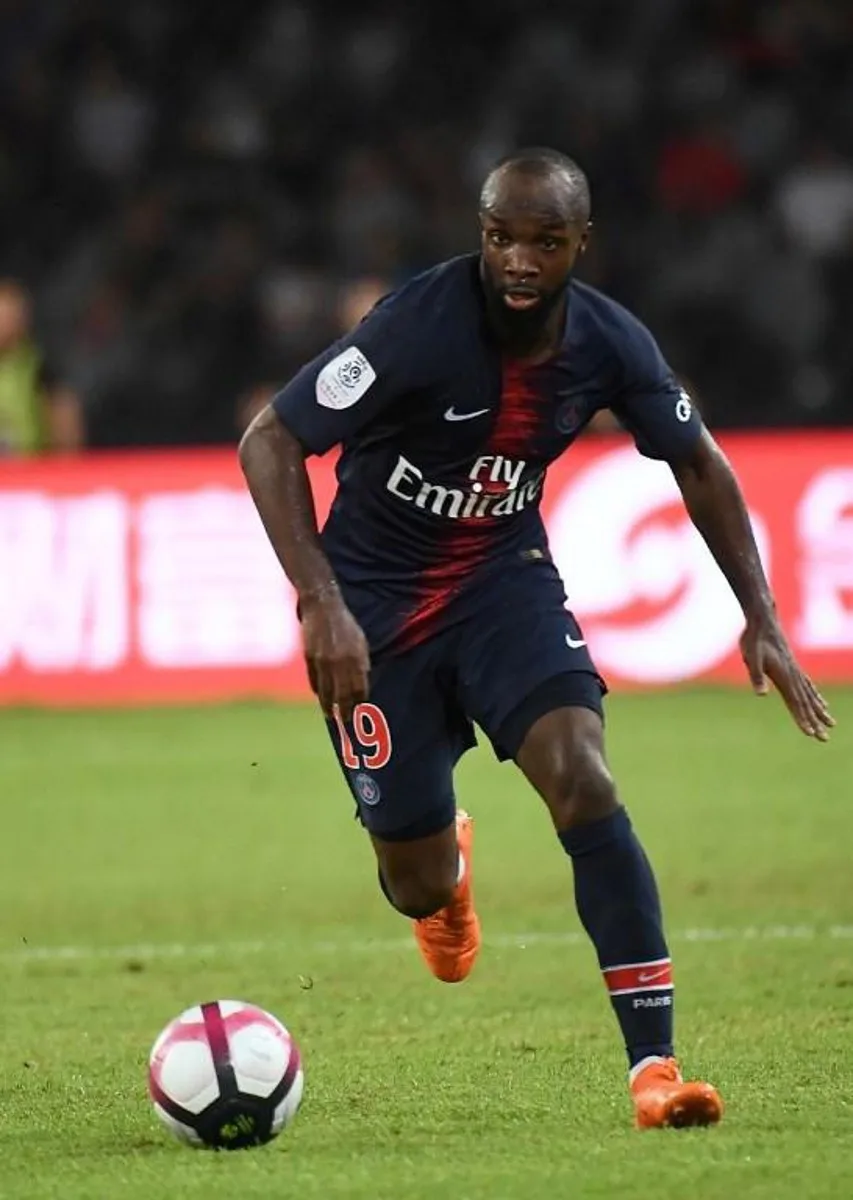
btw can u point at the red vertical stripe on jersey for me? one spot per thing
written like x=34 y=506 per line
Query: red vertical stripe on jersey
x=463 y=549
x=468 y=539
x=520 y=414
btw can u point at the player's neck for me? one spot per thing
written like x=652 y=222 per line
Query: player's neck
x=542 y=344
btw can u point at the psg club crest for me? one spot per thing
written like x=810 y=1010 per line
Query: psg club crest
x=569 y=417
x=368 y=789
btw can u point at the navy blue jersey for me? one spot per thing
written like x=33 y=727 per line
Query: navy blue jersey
x=445 y=441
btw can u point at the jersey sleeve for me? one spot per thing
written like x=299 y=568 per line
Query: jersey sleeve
x=651 y=404
x=351 y=383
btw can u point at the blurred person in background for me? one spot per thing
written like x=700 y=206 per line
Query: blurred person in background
x=37 y=413
x=717 y=136
x=357 y=297
x=353 y=300
x=250 y=403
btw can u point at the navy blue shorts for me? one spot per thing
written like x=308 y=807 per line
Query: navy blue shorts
x=519 y=655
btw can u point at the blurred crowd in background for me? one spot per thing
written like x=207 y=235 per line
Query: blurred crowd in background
x=196 y=197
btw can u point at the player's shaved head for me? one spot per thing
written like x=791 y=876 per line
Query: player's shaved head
x=534 y=222
x=541 y=181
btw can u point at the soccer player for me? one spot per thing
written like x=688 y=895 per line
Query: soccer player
x=430 y=600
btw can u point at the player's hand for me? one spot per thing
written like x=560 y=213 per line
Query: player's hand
x=768 y=656
x=336 y=653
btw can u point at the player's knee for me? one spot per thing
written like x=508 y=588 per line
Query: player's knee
x=583 y=789
x=419 y=894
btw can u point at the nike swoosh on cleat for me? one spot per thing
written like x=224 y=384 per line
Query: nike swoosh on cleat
x=651 y=976
x=452 y=415
x=574 y=643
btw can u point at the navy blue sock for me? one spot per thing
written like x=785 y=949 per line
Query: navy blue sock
x=619 y=907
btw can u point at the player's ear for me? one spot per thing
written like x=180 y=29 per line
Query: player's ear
x=585 y=236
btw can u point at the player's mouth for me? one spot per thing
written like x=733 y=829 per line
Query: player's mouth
x=519 y=299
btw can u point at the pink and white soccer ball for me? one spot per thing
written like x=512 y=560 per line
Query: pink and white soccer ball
x=225 y=1075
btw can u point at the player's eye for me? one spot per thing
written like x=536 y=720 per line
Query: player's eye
x=549 y=243
x=498 y=238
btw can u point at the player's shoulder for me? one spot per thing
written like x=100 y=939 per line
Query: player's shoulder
x=598 y=316
x=434 y=293
x=619 y=344
x=429 y=320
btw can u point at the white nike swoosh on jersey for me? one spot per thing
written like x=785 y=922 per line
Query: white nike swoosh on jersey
x=574 y=643
x=451 y=415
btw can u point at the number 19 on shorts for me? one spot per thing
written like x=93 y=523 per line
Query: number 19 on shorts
x=372 y=735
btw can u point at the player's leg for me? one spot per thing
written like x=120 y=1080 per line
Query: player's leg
x=562 y=755
x=430 y=880
x=418 y=872
x=398 y=755
x=529 y=682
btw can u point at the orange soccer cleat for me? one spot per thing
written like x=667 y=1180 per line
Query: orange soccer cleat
x=449 y=940
x=663 y=1100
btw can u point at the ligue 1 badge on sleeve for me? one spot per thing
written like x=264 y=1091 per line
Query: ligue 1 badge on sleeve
x=344 y=380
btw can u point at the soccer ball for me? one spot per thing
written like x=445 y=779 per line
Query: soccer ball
x=225 y=1075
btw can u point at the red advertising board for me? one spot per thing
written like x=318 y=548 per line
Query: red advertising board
x=146 y=577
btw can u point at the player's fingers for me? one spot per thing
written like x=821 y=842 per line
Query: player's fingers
x=809 y=721
x=820 y=717
x=357 y=685
x=813 y=715
x=346 y=689
x=785 y=679
x=325 y=685
x=753 y=657
x=801 y=707
x=355 y=673
x=361 y=674
x=802 y=699
x=819 y=704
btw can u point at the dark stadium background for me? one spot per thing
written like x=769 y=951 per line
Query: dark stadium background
x=196 y=197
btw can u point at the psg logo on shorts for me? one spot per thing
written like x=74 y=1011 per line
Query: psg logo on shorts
x=368 y=789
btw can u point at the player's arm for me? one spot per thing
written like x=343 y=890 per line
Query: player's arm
x=666 y=425
x=336 y=652
x=328 y=402
x=716 y=506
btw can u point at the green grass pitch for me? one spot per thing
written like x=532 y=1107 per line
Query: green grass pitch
x=151 y=860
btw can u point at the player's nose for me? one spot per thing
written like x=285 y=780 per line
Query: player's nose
x=520 y=264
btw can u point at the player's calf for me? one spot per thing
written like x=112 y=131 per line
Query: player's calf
x=563 y=757
x=419 y=877
x=449 y=940
x=582 y=790
x=415 y=896
x=615 y=890
x=429 y=880
x=618 y=904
